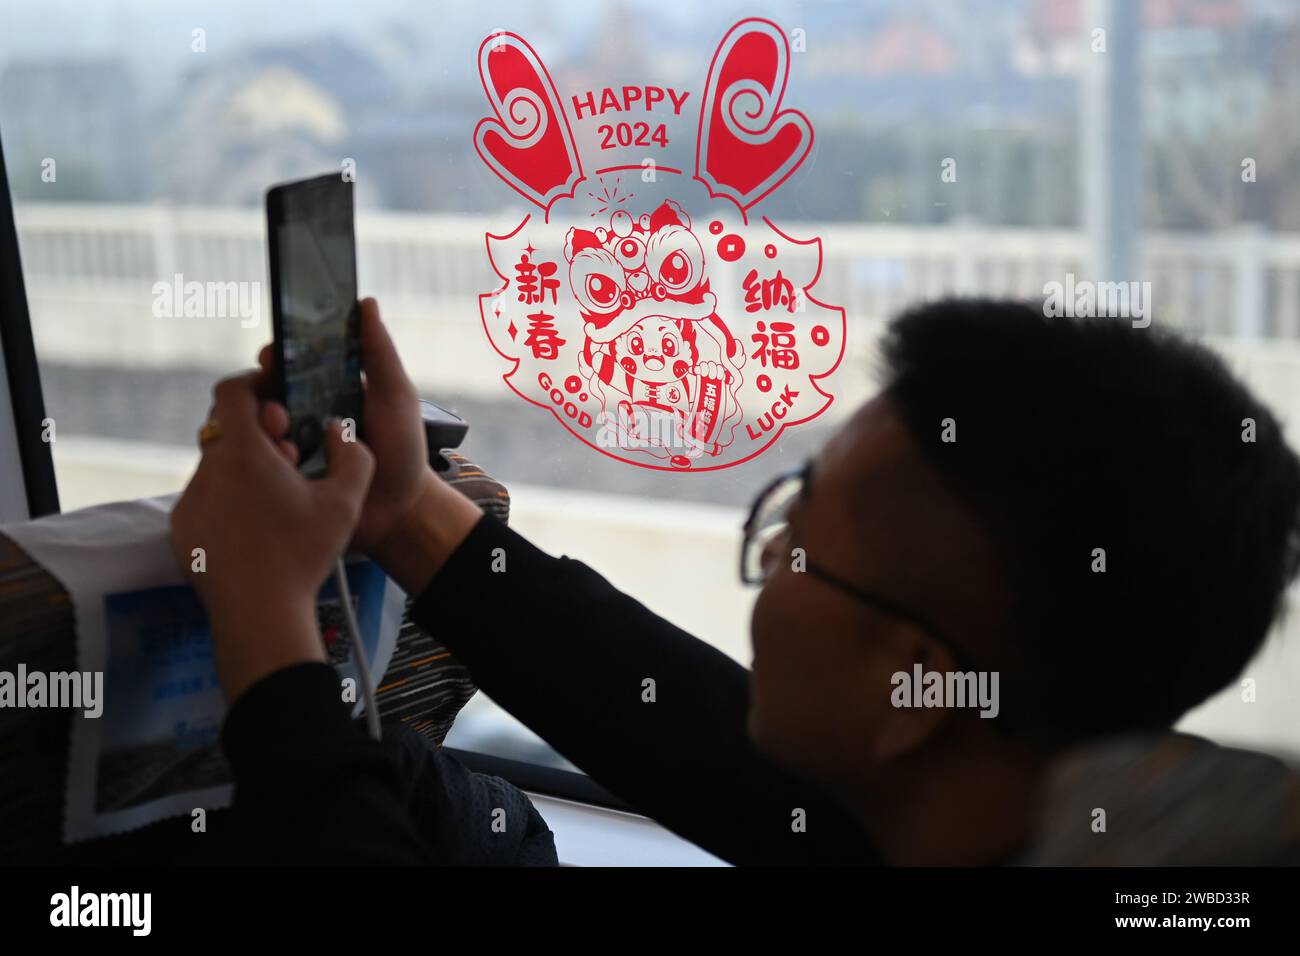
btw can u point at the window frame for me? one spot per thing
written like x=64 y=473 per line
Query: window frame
x=26 y=402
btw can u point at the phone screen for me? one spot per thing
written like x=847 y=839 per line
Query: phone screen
x=317 y=321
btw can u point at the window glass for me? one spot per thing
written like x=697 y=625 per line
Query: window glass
x=970 y=146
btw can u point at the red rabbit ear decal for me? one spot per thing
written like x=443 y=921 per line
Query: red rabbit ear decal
x=528 y=143
x=747 y=145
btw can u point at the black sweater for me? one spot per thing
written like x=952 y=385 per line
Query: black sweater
x=555 y=644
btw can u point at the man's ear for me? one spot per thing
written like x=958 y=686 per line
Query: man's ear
x=906 y=724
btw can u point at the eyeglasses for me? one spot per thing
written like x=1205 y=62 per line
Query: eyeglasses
x=767 y=537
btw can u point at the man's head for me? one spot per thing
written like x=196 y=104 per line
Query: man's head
x=1101 y=514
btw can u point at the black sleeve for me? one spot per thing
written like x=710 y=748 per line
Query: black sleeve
x=310 y=786
x=559 y=647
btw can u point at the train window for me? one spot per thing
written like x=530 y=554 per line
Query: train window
x=919 y=149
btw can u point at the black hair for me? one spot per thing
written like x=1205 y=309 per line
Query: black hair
x=1075 y=434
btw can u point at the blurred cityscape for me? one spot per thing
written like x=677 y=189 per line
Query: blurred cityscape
x=892 y=86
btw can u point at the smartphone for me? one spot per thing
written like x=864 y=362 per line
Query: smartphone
x=314 y=310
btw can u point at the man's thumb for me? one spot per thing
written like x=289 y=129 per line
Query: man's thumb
x=350 y=466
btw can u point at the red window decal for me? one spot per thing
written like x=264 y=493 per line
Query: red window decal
x=658 y=317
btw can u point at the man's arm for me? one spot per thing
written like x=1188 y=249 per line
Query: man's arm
x=310 y=786
x=568 y=654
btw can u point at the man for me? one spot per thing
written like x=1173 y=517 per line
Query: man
x=1100 y=517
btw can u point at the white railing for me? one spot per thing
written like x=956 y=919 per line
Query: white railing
x=871 y=269
x=91 y=268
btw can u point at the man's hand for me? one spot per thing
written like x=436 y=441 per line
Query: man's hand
x=411 y=521
x=393 y=429
x=269 y=536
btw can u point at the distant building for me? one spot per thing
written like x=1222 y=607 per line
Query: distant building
x=279 y=112
x=239 y=131
x=85 y=115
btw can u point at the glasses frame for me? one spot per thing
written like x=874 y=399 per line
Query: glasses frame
x=861 y=594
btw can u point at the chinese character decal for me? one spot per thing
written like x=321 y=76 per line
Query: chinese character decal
x=656 y=315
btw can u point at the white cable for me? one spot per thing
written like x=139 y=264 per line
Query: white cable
x=358 y=648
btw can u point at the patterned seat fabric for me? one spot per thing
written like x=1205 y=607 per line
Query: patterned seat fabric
x=424 y=686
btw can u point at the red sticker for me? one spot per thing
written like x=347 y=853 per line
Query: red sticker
x=655 y=339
